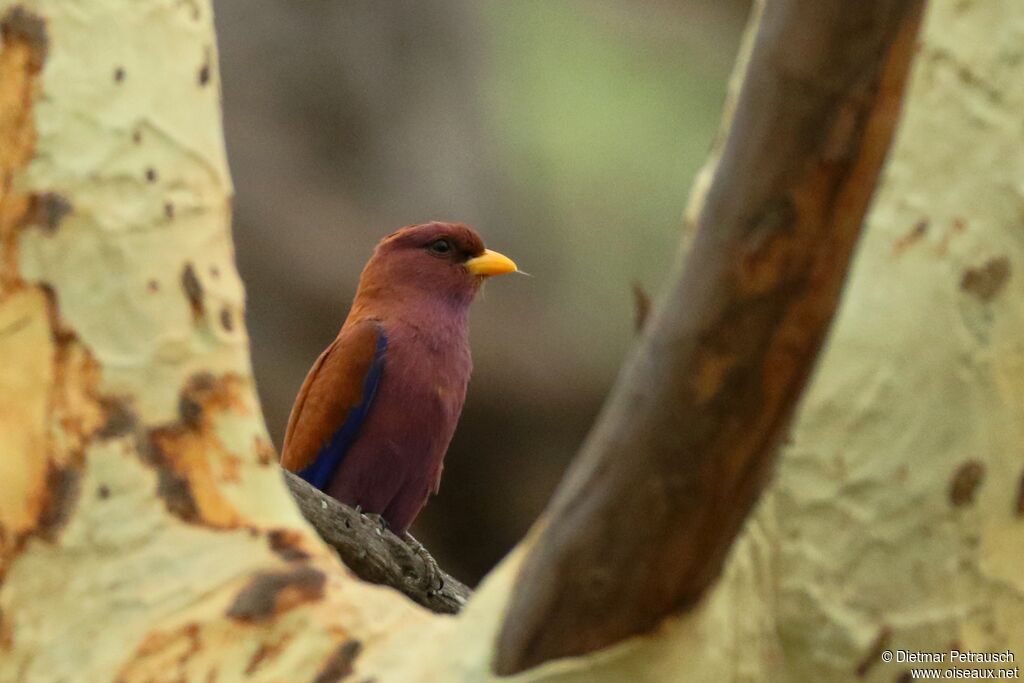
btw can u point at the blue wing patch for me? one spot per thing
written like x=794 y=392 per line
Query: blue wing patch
x=319 y=473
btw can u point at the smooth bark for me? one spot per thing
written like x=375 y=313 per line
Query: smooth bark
x=641 y=526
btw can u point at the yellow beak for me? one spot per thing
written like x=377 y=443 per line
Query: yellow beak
x=491 y=263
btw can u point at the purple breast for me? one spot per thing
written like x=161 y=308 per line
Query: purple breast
x=395 y=462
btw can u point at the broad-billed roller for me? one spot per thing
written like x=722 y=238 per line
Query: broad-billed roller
x=377 y=410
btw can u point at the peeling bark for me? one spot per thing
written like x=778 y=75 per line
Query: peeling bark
x=145 y=533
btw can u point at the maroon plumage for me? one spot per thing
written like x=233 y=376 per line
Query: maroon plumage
x=377 y=411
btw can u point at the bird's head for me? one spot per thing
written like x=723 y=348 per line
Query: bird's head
x=441 y=261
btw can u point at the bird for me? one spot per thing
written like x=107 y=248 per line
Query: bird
x=375 y=415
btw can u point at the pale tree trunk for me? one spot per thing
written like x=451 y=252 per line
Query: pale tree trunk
x=897 y=520
x=145 y=532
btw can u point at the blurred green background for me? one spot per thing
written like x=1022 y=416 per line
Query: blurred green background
x=566 y=131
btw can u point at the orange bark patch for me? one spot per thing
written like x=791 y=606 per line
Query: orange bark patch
x=271 y=593
x=73 y=416
x=21 y=58
x=231 y=650
x=265 y=453
x=44 y=471
x=167 y=653
x=26 y=383
x=266 y=653
x=76 y=409
x=289 y=544
x=191 y=459
x=185 y=642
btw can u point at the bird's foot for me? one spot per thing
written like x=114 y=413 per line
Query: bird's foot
x=434 y=577
x=382 y=524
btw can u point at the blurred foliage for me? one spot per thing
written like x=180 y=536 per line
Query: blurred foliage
x=566 y=131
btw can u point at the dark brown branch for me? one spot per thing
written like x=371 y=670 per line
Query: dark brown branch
x=375 y=554
x=641 y=526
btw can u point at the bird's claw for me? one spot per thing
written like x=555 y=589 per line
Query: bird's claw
x=382 y=524
x=434 y=578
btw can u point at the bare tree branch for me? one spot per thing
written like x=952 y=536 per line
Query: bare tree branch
x=374 y=553
x=641 y=526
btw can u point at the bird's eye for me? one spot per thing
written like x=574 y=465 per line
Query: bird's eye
x=441 y=247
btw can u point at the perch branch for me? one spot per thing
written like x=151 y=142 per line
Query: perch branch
x=640 y=527
x=375 y=554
